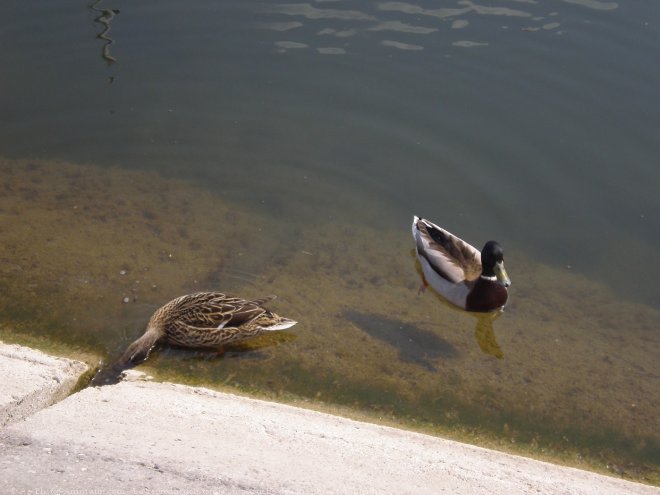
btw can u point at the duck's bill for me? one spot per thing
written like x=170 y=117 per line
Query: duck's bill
x=283 y=324
x=501 y=275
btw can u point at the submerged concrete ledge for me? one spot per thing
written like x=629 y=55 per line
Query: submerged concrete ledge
x=32 y=380
x=145 y=437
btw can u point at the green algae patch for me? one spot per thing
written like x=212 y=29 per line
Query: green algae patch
x=553 y=376
x=568 y=372
x=88 y=253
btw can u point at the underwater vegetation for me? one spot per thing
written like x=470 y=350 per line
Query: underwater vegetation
x=569 y=369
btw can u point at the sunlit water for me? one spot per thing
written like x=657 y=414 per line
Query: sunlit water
x=282 y=148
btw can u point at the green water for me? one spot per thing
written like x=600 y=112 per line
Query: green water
x=283 y=148
x=553 y=373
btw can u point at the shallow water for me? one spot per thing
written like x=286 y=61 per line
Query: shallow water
x=283 y=148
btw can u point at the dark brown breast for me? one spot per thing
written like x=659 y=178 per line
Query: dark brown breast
x=487 y=295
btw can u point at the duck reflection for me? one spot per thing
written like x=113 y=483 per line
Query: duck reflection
x=485 y=334
x=483 y=330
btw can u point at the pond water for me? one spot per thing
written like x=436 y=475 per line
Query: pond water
x=158 y=148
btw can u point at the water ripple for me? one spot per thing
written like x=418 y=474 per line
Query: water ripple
x=310 y=12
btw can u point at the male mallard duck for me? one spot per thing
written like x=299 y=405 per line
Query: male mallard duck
x=204 y=319
x=465 y=277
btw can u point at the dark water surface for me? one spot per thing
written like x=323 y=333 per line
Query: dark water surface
x=263 y=147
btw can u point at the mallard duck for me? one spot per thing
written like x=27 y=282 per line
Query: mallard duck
x=456 y=270
x=204 y=319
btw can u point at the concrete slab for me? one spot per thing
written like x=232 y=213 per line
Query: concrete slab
x=32 y=380
x=142 y=437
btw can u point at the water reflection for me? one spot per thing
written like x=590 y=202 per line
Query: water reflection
x=310 y=12
x=533 y=18
x=401 y=46
x=402 y=28
x=411 y=9
x=104 y=18
x=484 y=331
x=468 y=44
x=594 y=4
x=485 y=334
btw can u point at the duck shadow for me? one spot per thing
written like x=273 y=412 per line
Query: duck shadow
x=414 y=345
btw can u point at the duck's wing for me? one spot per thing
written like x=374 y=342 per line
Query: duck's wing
x=214 y=310
x=451 y=257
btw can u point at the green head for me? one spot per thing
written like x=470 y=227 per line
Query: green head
x=492 y=263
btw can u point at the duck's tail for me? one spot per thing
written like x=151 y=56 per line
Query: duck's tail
x=136 y=353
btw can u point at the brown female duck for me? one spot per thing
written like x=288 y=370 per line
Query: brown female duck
x=203 y=319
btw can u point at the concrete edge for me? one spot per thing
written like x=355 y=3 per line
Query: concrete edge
x=33 y=381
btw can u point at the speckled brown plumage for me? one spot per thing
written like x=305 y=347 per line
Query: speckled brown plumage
x=203 y=319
